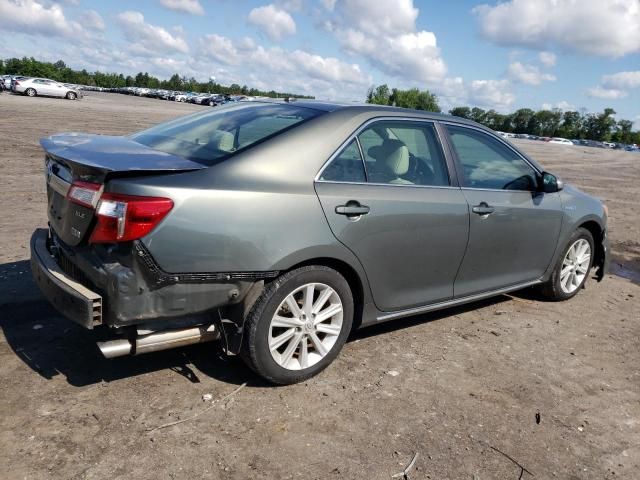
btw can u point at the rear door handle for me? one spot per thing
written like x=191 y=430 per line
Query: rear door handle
x=352 y=209
x=483 y=209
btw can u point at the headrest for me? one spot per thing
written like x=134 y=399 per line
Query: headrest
x=223 y=140
x=395 y=156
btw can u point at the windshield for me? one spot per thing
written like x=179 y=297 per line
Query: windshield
x=214 y=135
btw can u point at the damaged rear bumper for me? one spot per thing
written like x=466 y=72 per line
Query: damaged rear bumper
x=75 y=301
x=132 y=289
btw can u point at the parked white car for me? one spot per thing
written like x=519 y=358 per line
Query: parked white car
x=32 y=87
x=561 y=141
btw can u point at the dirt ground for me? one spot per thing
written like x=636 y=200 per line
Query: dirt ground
x=461 y=388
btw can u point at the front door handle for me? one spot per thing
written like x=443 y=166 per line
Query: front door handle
x=352 y=209
x=483 y=209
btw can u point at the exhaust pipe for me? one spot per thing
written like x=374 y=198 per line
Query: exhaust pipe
x=163 y=340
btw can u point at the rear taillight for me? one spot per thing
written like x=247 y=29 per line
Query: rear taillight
x=122 y=218
x=85 y=193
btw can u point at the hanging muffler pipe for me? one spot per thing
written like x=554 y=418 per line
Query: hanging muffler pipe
x=157 y=341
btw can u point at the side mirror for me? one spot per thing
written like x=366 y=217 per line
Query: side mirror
x=550 y=183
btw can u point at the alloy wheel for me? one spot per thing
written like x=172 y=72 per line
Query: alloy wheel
x=575 y=266
x=306 y=326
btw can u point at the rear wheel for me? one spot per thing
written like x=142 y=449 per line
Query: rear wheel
x=71 y=96
x=30 y=92
x=298 y=325
x=572 y=269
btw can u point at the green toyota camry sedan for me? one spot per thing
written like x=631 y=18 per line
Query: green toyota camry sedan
x=277 y=228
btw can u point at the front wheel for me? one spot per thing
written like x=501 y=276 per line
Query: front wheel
x=298 y=325
x=573 y=267
x=30 y=92
x=71 y=96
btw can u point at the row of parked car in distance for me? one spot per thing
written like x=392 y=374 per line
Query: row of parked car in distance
x=210 y=99
x=32 y=86
x=572 y=142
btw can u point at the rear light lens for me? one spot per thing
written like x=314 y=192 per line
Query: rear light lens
x=84 y=193
x=122 y=218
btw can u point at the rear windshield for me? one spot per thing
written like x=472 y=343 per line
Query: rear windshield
x=216 y=134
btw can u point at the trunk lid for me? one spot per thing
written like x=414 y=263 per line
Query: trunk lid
x=96 y=159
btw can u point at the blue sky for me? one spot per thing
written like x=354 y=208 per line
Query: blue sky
x=569 y=54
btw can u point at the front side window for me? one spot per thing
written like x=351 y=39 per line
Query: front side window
x=403 y=153
x=210 y=137
x=488 y=163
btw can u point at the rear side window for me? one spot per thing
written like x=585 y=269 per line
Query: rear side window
x=213 y=136
x=488 y=163
x=395 y=152
x=404 y=153
x=346 y=167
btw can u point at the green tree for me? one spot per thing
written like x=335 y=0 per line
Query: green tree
x=521 y=119
x=623 y=132
x=462 y=112
x=478 y=115
x=379 y=95
x=571 y=125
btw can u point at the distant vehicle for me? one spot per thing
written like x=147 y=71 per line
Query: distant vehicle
x=560 y=141
x=14 y=79
x=609 y=144
x=5 y=81
x=32 y=87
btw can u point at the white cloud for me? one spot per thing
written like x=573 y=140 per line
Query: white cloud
x=622 y=80
x=616 y=86
x=609 y=28
x=547 y=59
x=148 y=39
x=276 y=23
x=561 y=105
x=328 y=4
x=290 y=5
x=187 y=6
x=491 y=94
x=385 y=34
x=38 y=18
x=285 y=70
x=92 y=20
x=219 y=48
x=528 y=74
x=608 y=93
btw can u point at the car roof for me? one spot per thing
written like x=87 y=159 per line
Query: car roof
x=375 y=110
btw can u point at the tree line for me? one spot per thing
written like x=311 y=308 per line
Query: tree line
x=601 y=126
x=60 y=72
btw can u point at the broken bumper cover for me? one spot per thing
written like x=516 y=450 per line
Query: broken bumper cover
x=70 y=298
x=131 y=287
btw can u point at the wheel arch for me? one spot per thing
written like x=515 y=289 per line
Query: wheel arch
x=598 y=234
x=352 y=277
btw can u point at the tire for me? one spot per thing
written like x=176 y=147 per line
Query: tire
x=30 y=92
x=563 y=287
x=298 y=358
x=71 y=96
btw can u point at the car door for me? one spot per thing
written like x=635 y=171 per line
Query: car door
x=44 y=87
x=57 y=89
x=388 y=197
x=514 y=227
